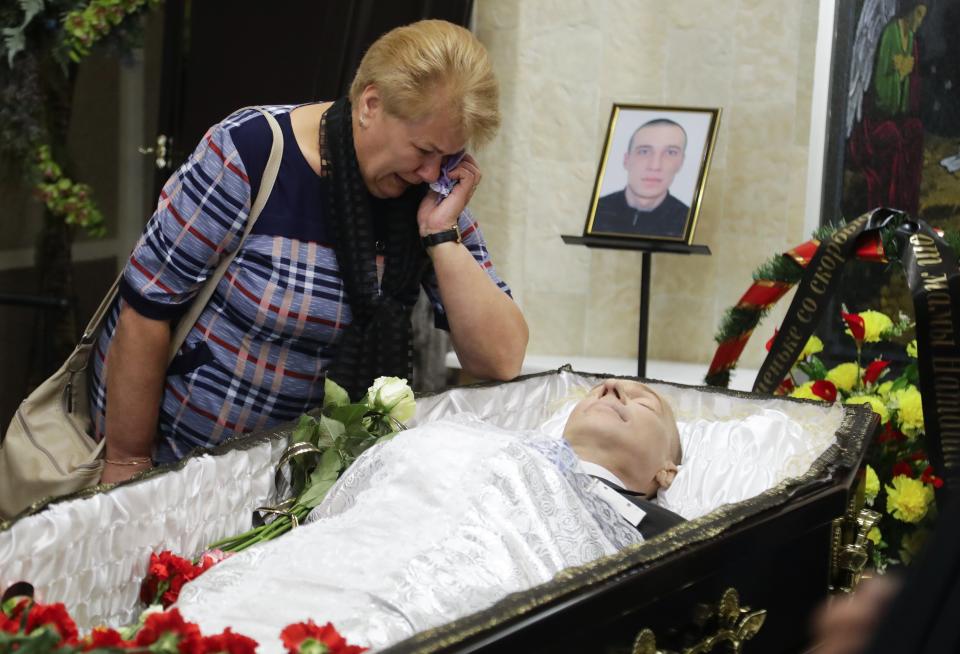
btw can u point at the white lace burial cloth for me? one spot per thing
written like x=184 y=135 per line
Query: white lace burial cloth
x=440 y=522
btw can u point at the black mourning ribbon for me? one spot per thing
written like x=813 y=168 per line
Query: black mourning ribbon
x=931 y=271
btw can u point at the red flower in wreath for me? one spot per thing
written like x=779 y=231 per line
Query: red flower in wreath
x=902 y=468
x=890 y=433
x=772 y=338
x=172 y=629
x=230 y=643
x=857 y=327
x=874 y=370
x=305 y=637
x=928 y=477
x=825 y=390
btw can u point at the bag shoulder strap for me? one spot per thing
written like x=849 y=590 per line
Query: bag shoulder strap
x=263 y=194
x=189 y=319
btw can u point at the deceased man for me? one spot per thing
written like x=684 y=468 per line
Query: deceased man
x=451 y=516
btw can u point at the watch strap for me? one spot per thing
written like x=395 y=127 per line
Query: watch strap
x=452 y=234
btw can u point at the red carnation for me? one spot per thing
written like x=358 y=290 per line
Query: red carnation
x=786 y=387
x=928 y=477
x=825 y=390
x=300 y=634
x=8 y=625
x=890 y=433
x=857 y=327
x=53 y=615
x=229 y=642
x=170 y=623
x=902 y=468
x=167 y=573
x=874 y=370
x=103 y=637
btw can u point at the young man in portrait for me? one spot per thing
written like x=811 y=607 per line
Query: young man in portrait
x=645 y=206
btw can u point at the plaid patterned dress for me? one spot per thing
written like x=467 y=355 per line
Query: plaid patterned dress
x=257 y=355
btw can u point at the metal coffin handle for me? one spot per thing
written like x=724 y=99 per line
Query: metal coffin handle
x=734 y=625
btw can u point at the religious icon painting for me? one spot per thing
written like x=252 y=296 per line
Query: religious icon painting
x=652 y=172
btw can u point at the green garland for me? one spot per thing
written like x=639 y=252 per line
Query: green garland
x=65 y=198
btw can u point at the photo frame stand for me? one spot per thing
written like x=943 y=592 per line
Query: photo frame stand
x=647 y=248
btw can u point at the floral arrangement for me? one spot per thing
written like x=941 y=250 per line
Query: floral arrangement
x=167 y=573
x=325 y=445
x=27 y=627
x=322 y=447
x=899 y=479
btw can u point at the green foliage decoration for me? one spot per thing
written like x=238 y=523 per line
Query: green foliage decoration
x=65 y=198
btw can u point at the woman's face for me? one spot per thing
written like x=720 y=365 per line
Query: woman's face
x=395 y=154
x=627 y=422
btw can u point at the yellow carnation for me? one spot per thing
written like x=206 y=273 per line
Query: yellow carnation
x=909 y=406
x=805 y=392
x=883 y=390
x=871 y=485
x=908 y=499
x=911 y=544
x=912 y=349
x=874 y=323
x=813 y=346
x=874 y=403
x=874 y=536
x=845 y=376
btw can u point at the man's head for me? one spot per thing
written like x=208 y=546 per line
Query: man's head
x=628 y=429
x=653 y=157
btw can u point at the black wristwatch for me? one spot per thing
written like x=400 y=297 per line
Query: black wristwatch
x=452 y=234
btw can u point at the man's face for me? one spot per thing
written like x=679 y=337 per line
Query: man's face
x=655 y=156
x=628 y=421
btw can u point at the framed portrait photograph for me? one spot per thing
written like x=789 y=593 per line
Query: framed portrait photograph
x=652 y=172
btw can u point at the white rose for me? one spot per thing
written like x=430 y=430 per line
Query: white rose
x=392 y=396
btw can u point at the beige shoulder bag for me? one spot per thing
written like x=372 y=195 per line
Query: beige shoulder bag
x=47 y=451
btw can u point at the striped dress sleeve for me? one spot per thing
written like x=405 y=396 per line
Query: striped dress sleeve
x=200 y=217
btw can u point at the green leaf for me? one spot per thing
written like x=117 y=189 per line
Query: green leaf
x=912 y=374
x=305 y=431
x=331 y=464
x=315 y=493
x=41 y=641
x=334 y=394
x=348 y=414
x=332 y=429
x=813 y=368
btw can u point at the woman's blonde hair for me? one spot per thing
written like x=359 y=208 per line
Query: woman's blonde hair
x=433 y=65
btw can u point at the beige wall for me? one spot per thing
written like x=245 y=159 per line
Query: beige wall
x=561 y=65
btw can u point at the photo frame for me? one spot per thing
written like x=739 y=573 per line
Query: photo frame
x=652 y=172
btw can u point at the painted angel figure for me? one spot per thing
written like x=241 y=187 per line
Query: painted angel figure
x=883 y=128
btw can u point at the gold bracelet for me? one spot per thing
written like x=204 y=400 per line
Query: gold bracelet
x=129 y=462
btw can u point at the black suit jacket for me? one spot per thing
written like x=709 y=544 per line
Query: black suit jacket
x=657 y=520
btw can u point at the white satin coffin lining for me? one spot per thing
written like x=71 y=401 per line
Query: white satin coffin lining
x=91 y=554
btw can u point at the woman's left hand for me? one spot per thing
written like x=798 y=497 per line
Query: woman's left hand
x=435 y=217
